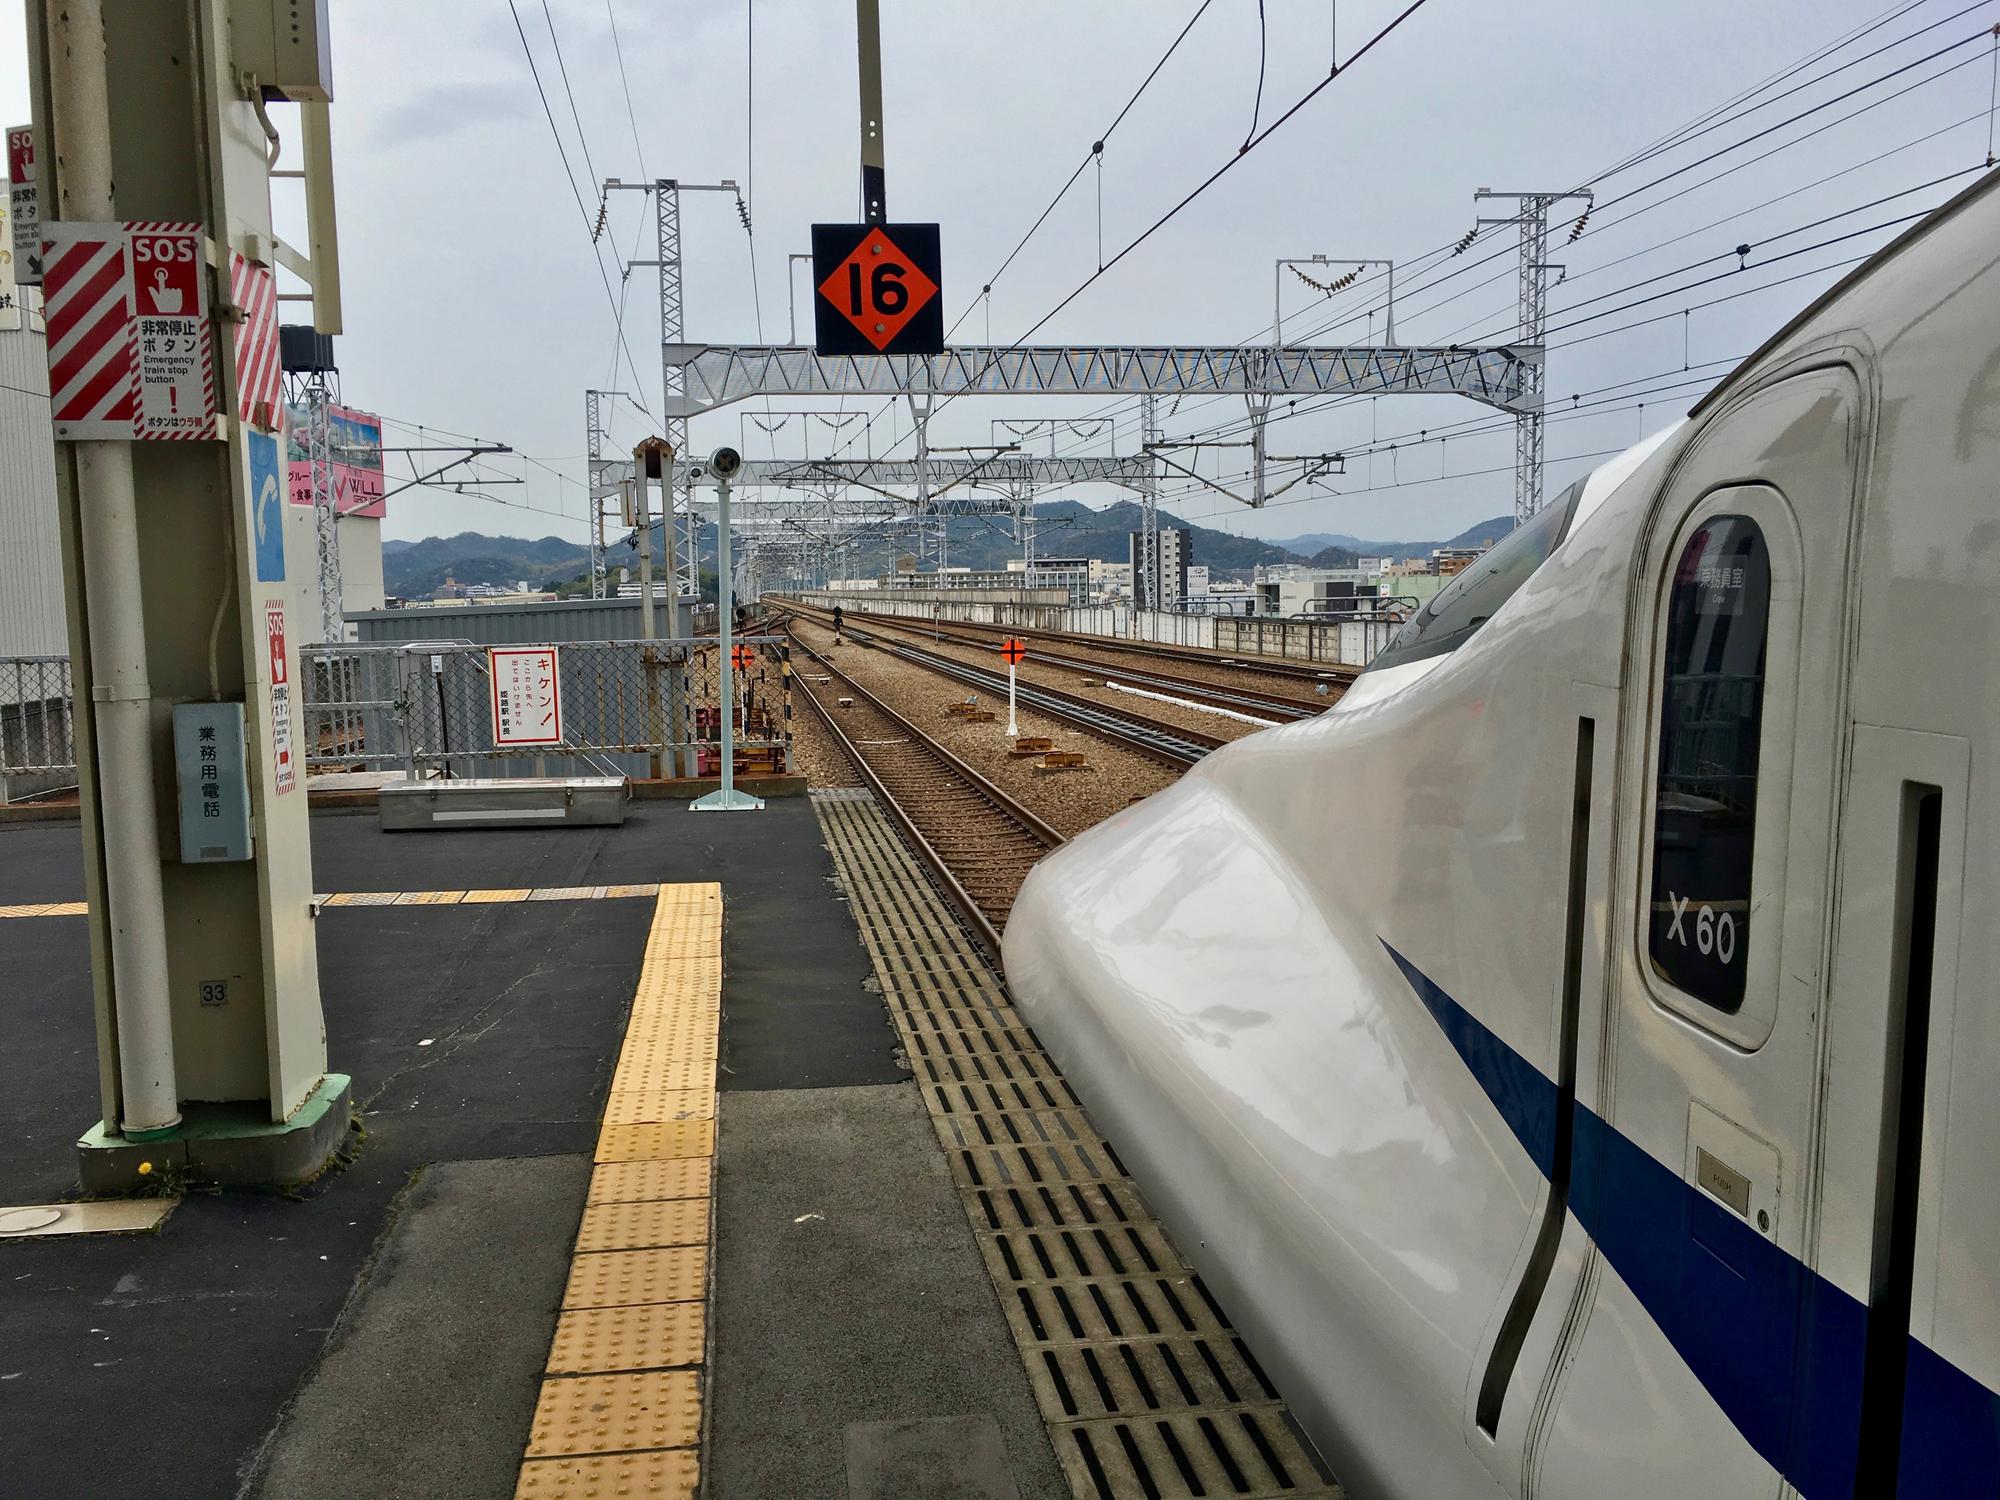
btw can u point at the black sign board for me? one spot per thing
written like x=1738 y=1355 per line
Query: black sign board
x=880 y=289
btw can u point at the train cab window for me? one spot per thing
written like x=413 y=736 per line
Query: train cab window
x=1711 y=720
x=1470 y=600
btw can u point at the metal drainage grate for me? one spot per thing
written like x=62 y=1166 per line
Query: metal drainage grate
x=1146 y=1389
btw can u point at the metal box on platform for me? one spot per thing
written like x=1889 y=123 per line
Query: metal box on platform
x=504 y=802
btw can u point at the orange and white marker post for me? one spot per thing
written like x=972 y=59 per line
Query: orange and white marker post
x=1013 y=651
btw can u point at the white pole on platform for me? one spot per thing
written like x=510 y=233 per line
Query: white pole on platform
x=723 y=466
x=121 y=711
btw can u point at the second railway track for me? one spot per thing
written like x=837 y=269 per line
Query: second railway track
x=1169 y=744
x=1276 y=707
x=979 y=842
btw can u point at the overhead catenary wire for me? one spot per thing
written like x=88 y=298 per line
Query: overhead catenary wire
x=1505 y=272
x=1096 y=153
x=1607 y=224
x=1263 y=56
x=589 y=224
x=1853 y=62
x=582 y=140
x=1706 y=128
x=1804 y=114
x=1709 y=116
x=1240 y=424
x=1203 y=186
x=1438 y=255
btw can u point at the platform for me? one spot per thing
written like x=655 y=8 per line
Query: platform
x=893 y=1256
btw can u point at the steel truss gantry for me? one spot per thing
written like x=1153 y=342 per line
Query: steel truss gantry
x=715 y=375
x=882 y=475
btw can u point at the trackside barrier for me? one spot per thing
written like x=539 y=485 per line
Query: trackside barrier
x=1349 y=643
x=632 y=708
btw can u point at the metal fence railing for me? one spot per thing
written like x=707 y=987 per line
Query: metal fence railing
x=37 y=717
x=1351 y=642
x=634 y=708
x=1347 y=643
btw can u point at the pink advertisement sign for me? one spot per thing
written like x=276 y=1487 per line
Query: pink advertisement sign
x=355 y=446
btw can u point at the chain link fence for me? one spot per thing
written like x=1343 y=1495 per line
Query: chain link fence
x=629 y=708
x=37 y=725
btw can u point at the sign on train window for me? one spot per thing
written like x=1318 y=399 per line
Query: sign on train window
x=1705 y=808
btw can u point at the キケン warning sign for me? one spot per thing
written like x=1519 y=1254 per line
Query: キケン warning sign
x=527 y=695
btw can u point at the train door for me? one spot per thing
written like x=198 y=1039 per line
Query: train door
x=1695 y=1131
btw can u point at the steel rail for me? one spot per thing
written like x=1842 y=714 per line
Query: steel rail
x=1025 y=837
x=1169 y=744
x=1238 y=699
x=1270 y=666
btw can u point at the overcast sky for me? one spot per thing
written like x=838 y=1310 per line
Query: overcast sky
x=473 y=303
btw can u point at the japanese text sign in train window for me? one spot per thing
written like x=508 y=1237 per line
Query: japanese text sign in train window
x=1711 y=721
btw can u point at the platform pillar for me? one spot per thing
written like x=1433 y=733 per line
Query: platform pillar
x=212 y=1046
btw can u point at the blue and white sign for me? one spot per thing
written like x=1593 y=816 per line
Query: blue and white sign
x=267 y=507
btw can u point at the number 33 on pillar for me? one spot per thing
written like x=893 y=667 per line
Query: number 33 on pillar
x=880 y=289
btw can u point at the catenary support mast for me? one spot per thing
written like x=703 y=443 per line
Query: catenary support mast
x=1531 y=217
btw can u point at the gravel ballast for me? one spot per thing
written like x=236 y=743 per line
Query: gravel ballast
x=1070 y=801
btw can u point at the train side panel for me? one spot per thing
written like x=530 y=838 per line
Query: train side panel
x=1219 y=972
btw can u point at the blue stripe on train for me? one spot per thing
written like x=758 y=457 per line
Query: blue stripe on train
x=1779 y=1348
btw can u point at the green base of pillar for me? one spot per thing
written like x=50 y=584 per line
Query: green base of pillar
x=236 y=1144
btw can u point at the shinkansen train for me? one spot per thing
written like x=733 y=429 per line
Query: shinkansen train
x=1573 y=1058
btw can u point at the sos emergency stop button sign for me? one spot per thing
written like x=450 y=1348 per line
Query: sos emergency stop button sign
x=880 y=289
x=129 y=341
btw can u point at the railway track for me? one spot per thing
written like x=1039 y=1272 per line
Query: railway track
x=979 y=842
x=1310 y=673
x=1168 y=744
x=1279 y=708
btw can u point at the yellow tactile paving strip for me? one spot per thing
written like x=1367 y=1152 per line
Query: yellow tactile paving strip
x=45 y=909
x=403 y=898
x=620 y=1410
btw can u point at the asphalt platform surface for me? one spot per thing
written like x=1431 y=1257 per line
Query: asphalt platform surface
x=380 y=1333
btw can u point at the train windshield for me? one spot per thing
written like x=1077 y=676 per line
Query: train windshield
x=1470 y=599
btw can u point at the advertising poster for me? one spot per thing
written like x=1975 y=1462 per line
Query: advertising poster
x=355 y=446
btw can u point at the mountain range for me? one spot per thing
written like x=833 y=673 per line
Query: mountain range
x=1313 y=542
x=1064 y=529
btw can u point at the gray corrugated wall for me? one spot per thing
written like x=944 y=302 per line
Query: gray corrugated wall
x=31 y=583
x=511 y=624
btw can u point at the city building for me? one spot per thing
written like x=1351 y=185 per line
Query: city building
x=1110 y=580
x=1176 y=553
x=1070 y=574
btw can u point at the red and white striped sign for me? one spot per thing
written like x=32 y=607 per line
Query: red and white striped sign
x=93 y=337
x=259 y=376
x=130 y=349
x=176 y=352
